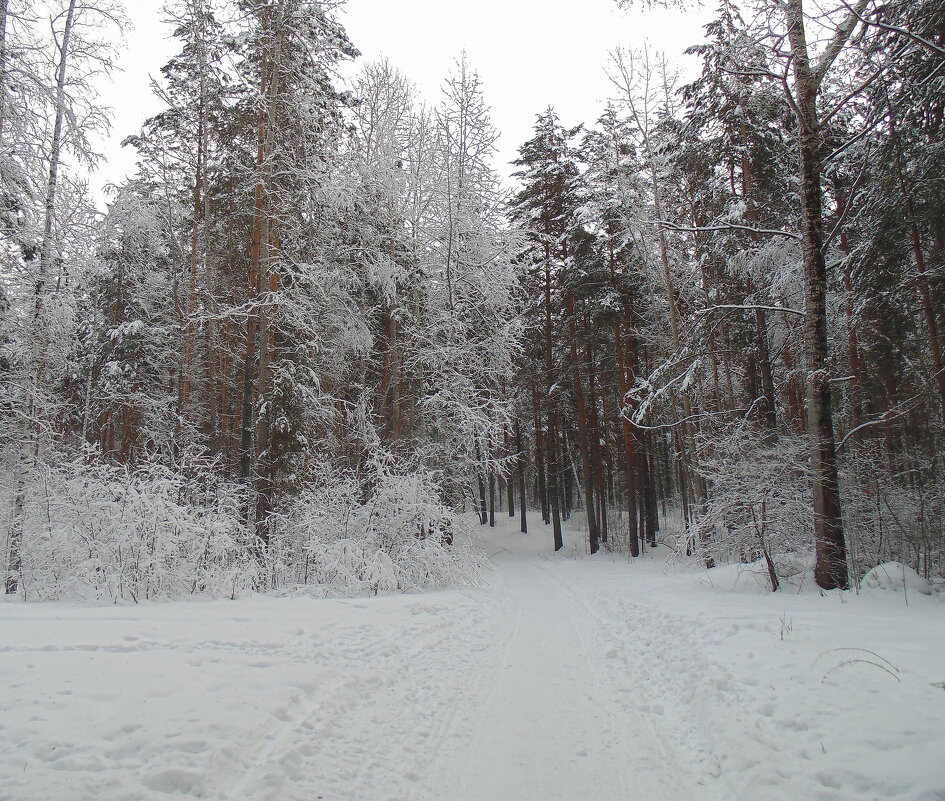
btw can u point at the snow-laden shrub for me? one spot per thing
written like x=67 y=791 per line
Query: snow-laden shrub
x=759 y=504
x=101 y=531
x=351 y=535
x=892 y=513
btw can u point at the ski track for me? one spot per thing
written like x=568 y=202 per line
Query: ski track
x=559 y=680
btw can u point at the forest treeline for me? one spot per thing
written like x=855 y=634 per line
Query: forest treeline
x=315 y=325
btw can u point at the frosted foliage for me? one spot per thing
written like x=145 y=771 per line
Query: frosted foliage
x=384 y=275
x=759 y=499
x=892 y=515
x=101 y=532
x=352 y=536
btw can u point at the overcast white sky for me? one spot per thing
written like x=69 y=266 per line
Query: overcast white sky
x=529 y=54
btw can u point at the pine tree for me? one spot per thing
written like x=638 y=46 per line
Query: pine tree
x=546 y=209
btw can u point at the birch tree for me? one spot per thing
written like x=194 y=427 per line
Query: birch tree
x=79 y=48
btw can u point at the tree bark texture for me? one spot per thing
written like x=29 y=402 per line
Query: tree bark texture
x=831 y=567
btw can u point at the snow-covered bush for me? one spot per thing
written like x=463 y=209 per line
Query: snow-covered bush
x=759 y=502
x=892 y=513
x=101 y=531
x=353 y=535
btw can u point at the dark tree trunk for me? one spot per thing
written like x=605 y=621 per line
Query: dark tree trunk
x=652 y=513
x=830 y=570
x=565 y=476
x=630 y=473
x=507 y=480
x=922 y=283
x=520 y=462
x=540 y=462
x=550 y=394
x=584 y=444
x=553 y=476
x=480 y=480
x=492 y=498
x=769 y=410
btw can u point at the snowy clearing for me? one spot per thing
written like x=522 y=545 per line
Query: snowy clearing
x=562 y=677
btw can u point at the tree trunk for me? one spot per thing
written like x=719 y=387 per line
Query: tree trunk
x=540 y=461
x=598 y=433
x=196 y=226
x=630 y=472
x=507 y=481
x=853 y=345
x=769 y=412
x=491 y=491
x=795 y=400
x=584 y=444
x=651 y=515
x=267 y=278
x=553 y=464
x=931 y=325
x=922 y=283
x=830 y=570
x=38 y=332
x=520 y=461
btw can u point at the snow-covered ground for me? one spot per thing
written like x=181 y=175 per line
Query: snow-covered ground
x=562 y=677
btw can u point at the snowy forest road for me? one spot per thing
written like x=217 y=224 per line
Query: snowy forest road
x=551 y=726
x=561 y=678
